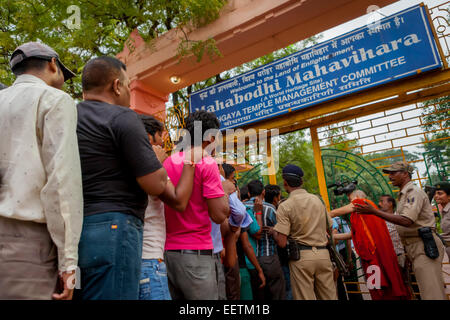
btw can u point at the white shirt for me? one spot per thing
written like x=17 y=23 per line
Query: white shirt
x=39 y=162
x=154 y=230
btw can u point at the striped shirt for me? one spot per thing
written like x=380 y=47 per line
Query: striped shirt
x=396 y=242
x=266 y=246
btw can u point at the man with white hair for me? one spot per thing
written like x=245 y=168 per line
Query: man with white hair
x=374 y=246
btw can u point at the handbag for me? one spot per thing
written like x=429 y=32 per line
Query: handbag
x=336 y=258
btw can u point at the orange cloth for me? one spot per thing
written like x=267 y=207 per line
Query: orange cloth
x=374 y=245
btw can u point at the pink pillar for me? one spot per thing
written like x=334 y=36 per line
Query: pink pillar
x=148 y=101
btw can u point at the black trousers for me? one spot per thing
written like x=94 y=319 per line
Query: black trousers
x=275 y=288
x=232 y=282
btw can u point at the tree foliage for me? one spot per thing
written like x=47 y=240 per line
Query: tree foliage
x=104 y=28
x=436 y=119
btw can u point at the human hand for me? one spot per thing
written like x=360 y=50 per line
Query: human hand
x=234 y=229
x=161 y=154
x=364 y=208
x=267 y=229
x=66 y=284
x=258 y=204
x=228 y=187
x=262 y=278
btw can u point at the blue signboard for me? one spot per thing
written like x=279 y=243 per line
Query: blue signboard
x=395 y=47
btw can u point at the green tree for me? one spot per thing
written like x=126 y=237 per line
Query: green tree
x=436 y=120
x=104 y=29
x=296 y=148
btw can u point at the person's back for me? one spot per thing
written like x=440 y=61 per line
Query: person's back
x=40 y=178
x=119 y=169
x=191 y=229
x=109 y=168
x=303 y=218
x=264 y=246
x=189 y=247
x=23 y=108
x=307 y=215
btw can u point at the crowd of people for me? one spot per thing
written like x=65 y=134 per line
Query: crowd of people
x=89 y=187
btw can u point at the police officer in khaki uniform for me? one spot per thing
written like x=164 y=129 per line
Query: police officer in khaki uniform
x=417 y=229
x=302 y=218
x=442 y=197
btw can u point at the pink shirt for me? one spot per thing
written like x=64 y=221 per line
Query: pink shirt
x=191 y=229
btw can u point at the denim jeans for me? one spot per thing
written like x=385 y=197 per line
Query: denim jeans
x=154 y=284
x=110 y=252
x=287 y=281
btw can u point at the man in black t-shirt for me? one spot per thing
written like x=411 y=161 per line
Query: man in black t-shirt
x=119 y=169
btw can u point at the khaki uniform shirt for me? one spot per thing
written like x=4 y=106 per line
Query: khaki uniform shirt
x=413 y=203
x=445 y=223
x=302 y=218
x=39 y=162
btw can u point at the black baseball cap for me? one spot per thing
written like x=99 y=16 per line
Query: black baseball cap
x=40 y=51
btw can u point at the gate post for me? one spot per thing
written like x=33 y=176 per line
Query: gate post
x=271 y=163
x=319 y=166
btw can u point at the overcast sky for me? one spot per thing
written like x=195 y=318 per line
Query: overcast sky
x=386 y=11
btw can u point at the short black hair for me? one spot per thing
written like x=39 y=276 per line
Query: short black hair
x=244 y=193
x=390 y=199
x=228 y=169
x=208 y=119
x=99 y=72
x=152 y=125
x=272 y=191
x=292 y=181
x=255 y=188
x=36 y=64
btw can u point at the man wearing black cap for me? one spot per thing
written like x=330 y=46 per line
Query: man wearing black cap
x=416 y=227
x=442 y=198
x=40 y=189
x=302 y=218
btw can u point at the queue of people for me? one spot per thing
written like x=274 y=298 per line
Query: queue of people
x=89 y=186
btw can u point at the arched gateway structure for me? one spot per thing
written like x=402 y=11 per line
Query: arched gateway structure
x=247 y=29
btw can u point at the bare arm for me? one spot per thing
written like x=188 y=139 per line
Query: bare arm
x=394 y=218
x=257 y=209
x=342 y=210
x=248 y=249
x=280 y=239
x=178 y=197
x=342 y=236
x=153 y=183
x=218 y=208
x=230 y=238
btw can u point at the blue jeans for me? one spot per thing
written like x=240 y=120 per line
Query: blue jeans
x=154 y=284
x=110 y=252
x=287 y=279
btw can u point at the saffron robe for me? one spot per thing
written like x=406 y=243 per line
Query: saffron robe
x=374 y=246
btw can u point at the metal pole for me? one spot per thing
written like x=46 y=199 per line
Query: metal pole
x=319 y=167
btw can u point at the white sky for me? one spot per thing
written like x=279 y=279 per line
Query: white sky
x=386 y=11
